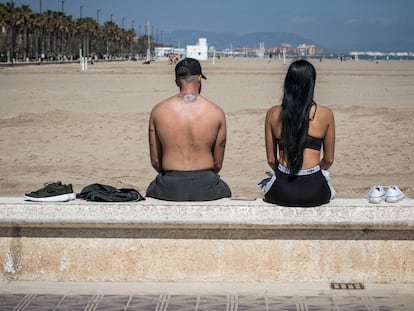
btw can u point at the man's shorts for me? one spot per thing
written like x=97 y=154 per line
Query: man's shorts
x=200 y=185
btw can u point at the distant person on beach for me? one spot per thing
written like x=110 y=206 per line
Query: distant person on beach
x=187 y=139
x=300 y=143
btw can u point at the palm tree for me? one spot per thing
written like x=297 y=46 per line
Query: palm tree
x=41 y=25
x=58 y=33
x=91 y=34
x=109 y=33
x=67 y=34
x=24 y=25
x=7 y=19
x=50 y=30
x=129 y=40
x=3 y=45
x=86 y=28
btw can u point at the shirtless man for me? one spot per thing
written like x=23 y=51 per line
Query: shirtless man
x=187 y=139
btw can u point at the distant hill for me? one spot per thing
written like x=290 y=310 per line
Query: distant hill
x=226 y=40
x=385 y=47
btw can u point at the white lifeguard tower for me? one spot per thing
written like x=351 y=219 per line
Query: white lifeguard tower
x=199 y=51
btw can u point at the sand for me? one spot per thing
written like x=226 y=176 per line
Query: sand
x=58 y=123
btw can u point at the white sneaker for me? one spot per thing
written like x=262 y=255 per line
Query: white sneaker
x=376 y=194
x=394 y=194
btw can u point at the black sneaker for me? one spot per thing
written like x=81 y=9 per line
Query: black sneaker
x=52 y=192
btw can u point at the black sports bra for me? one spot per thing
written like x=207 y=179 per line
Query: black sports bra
x=311 y=143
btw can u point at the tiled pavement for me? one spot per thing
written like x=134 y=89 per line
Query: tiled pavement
x=42 y=296
x=189 y=302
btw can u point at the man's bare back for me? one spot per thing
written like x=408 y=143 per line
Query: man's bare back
x=189 y=132
x=187 y=139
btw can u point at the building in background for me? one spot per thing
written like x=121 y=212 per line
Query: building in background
x=199 y=51
x=164 y=52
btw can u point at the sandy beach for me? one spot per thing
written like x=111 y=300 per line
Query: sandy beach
x=58 y=123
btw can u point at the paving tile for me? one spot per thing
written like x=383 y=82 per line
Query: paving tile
x=213 y=303
x=39 y=302
x=144 y=302
x=283 y=303
x=388 y=303
x=74 y=303
x=8 y=302
x=181 y=303
x=112 y=303
x=246 y=303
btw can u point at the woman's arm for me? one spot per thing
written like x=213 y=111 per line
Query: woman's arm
x=328 y=142
x=270 y=139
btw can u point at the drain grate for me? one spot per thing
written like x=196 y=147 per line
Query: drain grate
x=347 y=285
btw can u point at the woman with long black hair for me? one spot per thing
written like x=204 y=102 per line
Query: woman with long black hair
x=300 y=142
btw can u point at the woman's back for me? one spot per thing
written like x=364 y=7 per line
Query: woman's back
x=321 y=127
x=300 y=141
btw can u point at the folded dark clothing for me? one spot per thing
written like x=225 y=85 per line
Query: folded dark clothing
x=105 y=193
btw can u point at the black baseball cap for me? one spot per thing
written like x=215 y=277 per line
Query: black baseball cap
x=188 y=67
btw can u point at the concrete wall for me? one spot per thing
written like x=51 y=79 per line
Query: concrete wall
x=225 y=240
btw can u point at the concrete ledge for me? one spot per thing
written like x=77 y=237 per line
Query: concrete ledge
x=220 y=241
x=221 y=214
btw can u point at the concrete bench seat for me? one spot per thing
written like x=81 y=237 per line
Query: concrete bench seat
x=220 y=214
x=223 y=240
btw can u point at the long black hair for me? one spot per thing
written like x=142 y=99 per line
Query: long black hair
x=296 y=104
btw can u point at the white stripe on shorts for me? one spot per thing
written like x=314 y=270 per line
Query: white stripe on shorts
x=308 y=171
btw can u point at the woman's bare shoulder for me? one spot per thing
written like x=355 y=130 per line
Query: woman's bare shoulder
x=323 y=107
x=277 y=109
x=324 y=110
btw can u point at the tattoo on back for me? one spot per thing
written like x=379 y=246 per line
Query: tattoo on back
x=188 y=98
x=222 y=143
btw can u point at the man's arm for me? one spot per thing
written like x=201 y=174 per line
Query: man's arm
x=220 y=144
x=154 y=146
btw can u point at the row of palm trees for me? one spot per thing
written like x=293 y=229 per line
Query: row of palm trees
x=26 y=35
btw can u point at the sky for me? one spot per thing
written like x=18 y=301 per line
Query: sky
x=328 y=22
